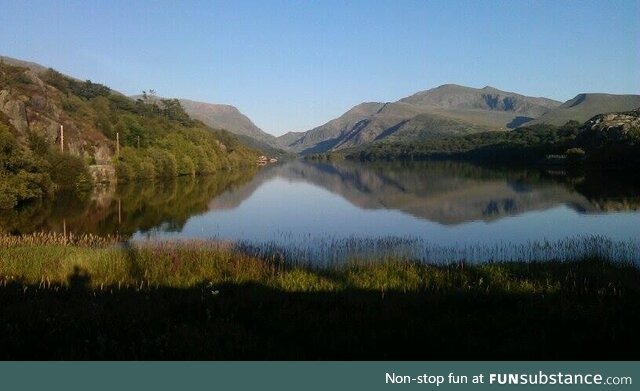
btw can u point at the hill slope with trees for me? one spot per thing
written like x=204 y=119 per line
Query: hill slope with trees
x=136 y=139
x=608 y=140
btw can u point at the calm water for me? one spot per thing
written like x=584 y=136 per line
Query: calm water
x=444 y=203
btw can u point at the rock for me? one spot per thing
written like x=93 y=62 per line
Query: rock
x=611 y=127
x=102 y=154
x=102 y=173
x=15 y=110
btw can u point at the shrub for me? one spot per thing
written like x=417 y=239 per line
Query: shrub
x=23 y=175
x=69 y=171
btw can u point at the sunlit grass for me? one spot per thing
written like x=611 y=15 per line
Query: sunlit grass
x=50 y=260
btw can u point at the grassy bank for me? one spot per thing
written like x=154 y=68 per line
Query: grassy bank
x=209 y=300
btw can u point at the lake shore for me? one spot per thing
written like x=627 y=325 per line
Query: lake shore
x=90 y=299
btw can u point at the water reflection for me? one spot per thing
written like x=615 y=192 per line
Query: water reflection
x=304 y=198
x=125 y=209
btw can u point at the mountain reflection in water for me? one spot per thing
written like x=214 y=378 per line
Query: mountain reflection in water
x=443 y=202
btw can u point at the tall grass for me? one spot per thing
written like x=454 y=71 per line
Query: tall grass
x=327 y=251
x=59 y=239
x=391 y=263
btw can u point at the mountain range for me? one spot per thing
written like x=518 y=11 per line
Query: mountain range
x=446 y=110
x=449 y=110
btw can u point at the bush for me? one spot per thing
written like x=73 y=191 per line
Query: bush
x=23 y=175
x=69 y=171
x=164 y=163
x=186 y=166
x=124 y=172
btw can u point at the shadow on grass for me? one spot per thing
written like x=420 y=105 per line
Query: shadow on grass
x=253 y=321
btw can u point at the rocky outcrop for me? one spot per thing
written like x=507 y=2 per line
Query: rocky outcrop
x=14 y=110
x=613 y=127
x=32 y=106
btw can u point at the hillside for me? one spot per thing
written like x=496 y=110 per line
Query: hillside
x=608 y=140
x=585 y=106
x=229 y=118
x=24 y=64
x=157 y=139
x=220 y=116
x=446 y=110
x=288 y=138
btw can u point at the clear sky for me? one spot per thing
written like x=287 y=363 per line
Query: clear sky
x=293 y=65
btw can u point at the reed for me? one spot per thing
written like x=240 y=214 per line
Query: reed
x=385 y=263
x=59 y=239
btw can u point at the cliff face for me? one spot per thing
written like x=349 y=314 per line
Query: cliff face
x=30 y=105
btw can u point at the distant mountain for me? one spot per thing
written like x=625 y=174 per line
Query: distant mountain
x=584 y=106
x=220 y=116
x=446 y=110
x=288 y=138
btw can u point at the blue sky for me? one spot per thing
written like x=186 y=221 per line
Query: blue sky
x=293 y=65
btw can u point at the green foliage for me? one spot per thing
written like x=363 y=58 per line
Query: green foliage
x=68 y=171
x=57 y=79
x=157 y=137
x=135 y=206
x=12 y=76
x=173 y=110
x=23 y=175
x=88 y=89
x=525 y=144
x=33 y=173
x=164 y=163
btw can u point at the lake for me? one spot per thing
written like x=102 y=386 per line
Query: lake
x=447 y=206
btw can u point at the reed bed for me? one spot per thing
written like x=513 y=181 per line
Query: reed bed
x=383 y=263
x=332 y=251
x=60 y=239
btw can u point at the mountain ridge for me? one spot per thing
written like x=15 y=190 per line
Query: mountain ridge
x=446 y=109
x=450 y=110
x=229 y=117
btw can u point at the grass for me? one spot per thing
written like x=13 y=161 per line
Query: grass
x=214 y=300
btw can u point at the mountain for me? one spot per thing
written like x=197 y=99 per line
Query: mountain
x=288 y=138
x=220 y=116
x=446 y=110
x=584 y=106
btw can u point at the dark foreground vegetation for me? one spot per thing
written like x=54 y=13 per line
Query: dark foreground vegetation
x=83 y=298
